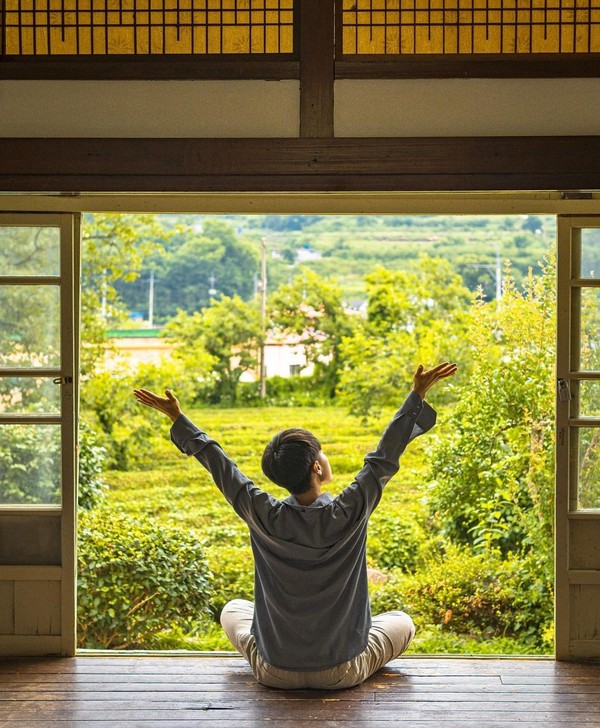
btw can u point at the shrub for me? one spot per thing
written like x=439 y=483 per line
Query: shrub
x=205 y=635
x=492 y=474
x=296 y=391
x=434 y=640
x=136 y=578
x=233 y=576
x=92 y=455
x=394 y=539
x=472 y=594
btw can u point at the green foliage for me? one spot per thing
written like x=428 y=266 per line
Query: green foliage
x=296 y=391
x=229 y=331
x=233 y=575
x=475 y=594
x=532 y=223
x=23 y=342
x=493 y=470
x=354 y=245
x=203 y=635
x=92 y=488
x=436 y=641
x=589 y=467
x=201 y=254
x=586 y=393
x=135 y=579
x=395 y=538
x=30 y=464
x=413 y=318
x=125 y=428
x=312 y=308
x=176 y=490
x=113 y=247
x=400 y=301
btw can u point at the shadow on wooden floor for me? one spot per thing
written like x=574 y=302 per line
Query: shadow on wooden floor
x=180 y=692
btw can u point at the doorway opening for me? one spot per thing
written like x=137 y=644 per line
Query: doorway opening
x=262 y=322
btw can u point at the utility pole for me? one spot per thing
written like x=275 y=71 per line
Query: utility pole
x=498 y=277
x=151 y=301
x=212 y=291
x=495 y=270
x=104 y=303
x=263 y=316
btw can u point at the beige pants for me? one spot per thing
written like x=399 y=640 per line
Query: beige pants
x=389 y=637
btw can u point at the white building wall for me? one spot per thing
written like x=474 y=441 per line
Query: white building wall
x=280 y=357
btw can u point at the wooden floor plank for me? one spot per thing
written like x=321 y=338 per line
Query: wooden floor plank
x=408 y=692
x=210 y=715
x=321 y=706
x=182 y=692
x=233 y=723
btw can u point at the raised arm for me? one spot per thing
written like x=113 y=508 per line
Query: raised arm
x=413 y=418
x=191 y=440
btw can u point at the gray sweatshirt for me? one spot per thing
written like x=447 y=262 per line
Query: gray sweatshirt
x=310 y=577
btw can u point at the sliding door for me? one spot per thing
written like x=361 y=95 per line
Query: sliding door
x=578 y=439
x=38 y=376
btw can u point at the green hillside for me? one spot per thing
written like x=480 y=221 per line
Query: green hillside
x=344 y=247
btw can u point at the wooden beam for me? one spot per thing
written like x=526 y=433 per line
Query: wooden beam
x=269 y=68
x=358 y=164
x=316 y=68
x=543 y=65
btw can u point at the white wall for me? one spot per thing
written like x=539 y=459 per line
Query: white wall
x=467 y=107
x=433 y=107
x=149 y=108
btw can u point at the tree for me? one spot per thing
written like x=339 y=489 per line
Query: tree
x=113 y=249
x=532 y=223
x=492 y=472
x=196 y=265
x=122 y=428
x=230 y=331
x=313 y=309
x=412 y=317
x=29 y=315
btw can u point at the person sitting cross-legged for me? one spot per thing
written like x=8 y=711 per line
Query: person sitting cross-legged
x=310 y=625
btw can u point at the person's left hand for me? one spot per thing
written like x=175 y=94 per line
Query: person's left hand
x=169 y=404
x=424 y=379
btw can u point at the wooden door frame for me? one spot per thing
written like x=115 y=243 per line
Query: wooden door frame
x=569 y=517
x=507 y=204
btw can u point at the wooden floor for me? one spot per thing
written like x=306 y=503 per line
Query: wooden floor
x=180 y=692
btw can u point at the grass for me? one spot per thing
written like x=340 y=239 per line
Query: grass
x=175 y=488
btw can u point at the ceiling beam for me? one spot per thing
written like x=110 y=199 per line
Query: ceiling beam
x=290 y=164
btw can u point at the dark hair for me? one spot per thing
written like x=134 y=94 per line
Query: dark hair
x=288 y=459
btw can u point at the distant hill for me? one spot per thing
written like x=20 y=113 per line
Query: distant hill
x=346 y=247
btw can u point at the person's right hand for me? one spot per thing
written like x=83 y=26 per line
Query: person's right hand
x=169 y=404
x=424 y=379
